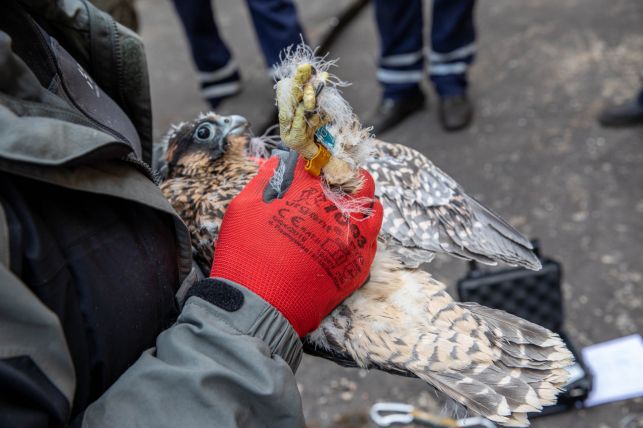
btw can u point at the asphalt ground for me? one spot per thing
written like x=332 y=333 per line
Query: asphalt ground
x=535 y=154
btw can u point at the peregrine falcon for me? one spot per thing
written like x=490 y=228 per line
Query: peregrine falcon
x=402 y=320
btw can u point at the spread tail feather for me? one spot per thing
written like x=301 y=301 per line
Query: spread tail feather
x=496 y=364
x=527 y=351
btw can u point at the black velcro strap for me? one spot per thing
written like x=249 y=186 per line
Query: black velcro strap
x=218 y=293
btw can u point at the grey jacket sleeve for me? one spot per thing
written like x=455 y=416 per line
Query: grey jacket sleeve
x=228 y=361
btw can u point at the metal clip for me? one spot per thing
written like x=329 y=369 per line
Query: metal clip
x=399 y=413
x=387 y=414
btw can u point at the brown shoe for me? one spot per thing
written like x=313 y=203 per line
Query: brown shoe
x=456 y=112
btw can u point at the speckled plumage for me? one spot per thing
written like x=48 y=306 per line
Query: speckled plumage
x=495 y=364
x=427 y=212
x=403 y=320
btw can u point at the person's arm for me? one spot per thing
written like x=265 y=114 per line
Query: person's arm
x=286 y=256
x=228 y=361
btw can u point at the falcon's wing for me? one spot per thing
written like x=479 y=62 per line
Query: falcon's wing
x=426 y=211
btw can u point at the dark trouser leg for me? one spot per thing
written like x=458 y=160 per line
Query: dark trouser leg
x=277 y=26
x=401 y=59
x=452 y=45
x=218 y=72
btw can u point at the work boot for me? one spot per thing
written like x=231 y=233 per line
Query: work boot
x=390 y=112
x=456 y=112
x=628 y=114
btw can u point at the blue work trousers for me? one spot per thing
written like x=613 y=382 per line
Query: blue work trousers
x=275 y=21
x=402 y=54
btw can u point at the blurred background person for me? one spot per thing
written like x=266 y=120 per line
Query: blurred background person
x=401 y=63
x=276 y=25
x=629 y=113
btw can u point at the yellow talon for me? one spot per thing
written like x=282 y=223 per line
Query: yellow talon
x=304 y=71
x=309 y=97
x=302 y=75
x=299 y=119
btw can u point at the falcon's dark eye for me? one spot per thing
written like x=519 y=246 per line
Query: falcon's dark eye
x=204 y=132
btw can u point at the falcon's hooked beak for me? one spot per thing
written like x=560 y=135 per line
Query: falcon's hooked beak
x=233 y=125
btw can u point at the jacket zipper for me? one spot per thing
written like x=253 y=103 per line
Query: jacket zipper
x=83 y=117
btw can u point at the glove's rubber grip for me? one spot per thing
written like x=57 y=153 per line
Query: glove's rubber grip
x=270 y=193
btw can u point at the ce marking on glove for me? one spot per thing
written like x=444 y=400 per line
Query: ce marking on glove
x=336 y=254
x=295 y=227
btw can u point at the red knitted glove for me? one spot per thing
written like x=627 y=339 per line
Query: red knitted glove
x=294 y=248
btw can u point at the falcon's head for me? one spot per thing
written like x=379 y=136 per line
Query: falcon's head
x=191 y=147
